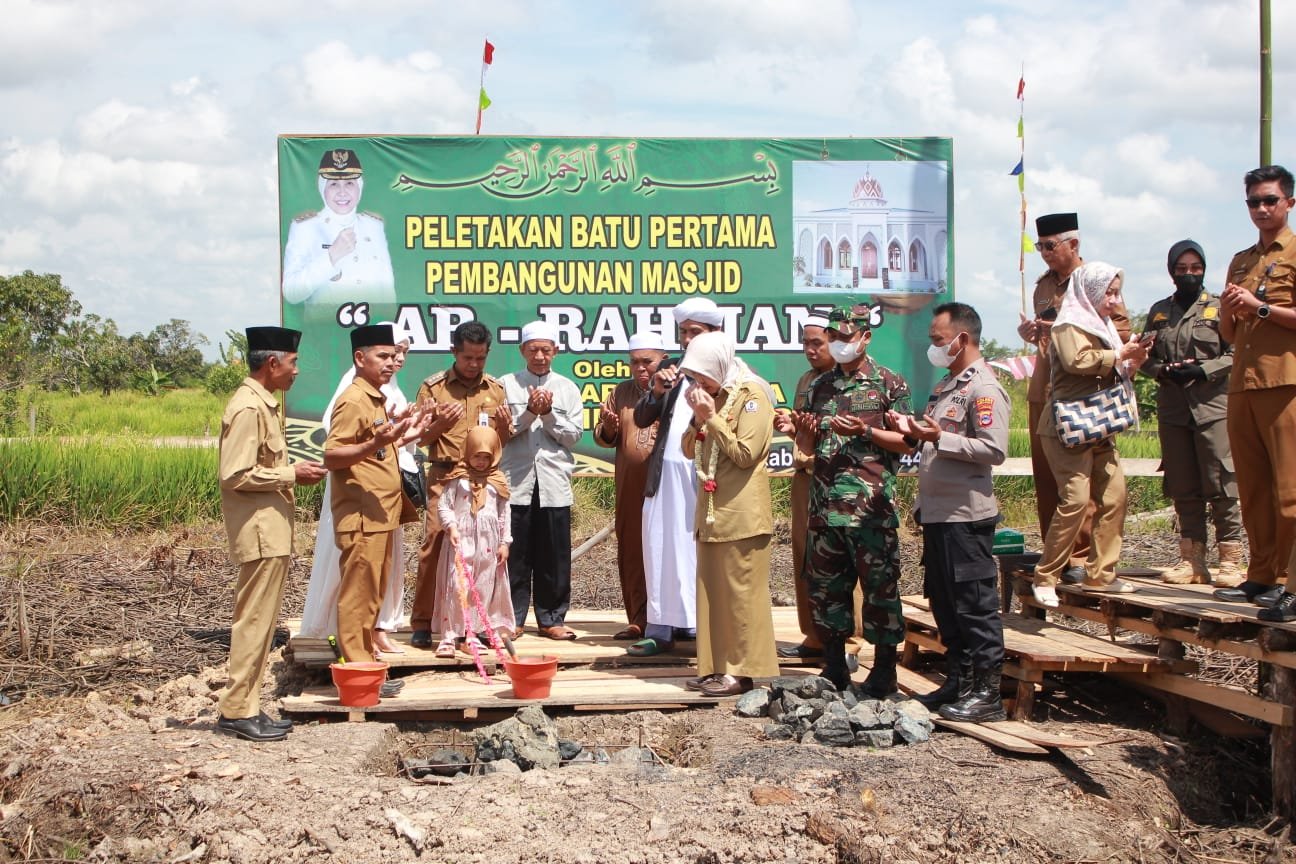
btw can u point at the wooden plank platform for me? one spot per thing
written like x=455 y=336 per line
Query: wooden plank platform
x=593 y=647
x=632 y=688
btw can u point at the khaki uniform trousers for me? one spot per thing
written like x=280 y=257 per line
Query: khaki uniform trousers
x=1046 y=490
x=366 y=560
x=1198 y=468
x=800 y=505
x=257 y=597
x=1262 y=432
x=423 y=612
x=735 y=626
x=1087 y=478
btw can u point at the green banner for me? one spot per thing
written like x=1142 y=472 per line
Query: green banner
x=602 y=237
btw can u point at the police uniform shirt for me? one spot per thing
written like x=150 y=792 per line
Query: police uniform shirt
x=367 y=496
x=1189 y=334
x=480 y=397
x=363 y=274
x=954 y=476
x=256 y=481
x=1264 y=353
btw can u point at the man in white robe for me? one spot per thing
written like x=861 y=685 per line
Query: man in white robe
x=670 y=495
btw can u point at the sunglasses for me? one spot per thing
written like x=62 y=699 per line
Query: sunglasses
x=1265 y=201
x=1048 y=245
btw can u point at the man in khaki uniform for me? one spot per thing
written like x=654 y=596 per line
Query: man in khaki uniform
x=1059 y=246
x=1259 y=318
x=1191 y=363
x=368 y=503
x=464 y=396
x=256 y=484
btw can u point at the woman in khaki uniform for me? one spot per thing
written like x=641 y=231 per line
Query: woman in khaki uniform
x=1087 y=356
x=729 y=439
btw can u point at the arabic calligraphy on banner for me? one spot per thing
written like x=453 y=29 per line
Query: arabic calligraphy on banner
x=601 y=238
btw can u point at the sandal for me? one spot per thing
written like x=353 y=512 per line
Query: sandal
x=649 y=647
x=629 y=634
x=469 y=645
x=445 y=650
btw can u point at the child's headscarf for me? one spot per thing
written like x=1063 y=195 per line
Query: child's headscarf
x=481 y=439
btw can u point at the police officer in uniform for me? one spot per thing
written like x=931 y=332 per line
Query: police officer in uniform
x=257 y=502
x=1191 y=363
x=1259 y=316
x=964 y=433
x=338 y=255
x=853 y=523
x=464 y=396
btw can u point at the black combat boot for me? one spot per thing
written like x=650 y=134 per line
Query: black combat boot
x=881 y=680
x=983 y=704
x=835 y=669
x=958 y=683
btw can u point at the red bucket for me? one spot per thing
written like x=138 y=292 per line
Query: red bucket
x=532 y=676
x=357 y=683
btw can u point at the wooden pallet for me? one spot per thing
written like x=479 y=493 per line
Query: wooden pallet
x=443 y=693
x=1033 y=648
x=593 y=647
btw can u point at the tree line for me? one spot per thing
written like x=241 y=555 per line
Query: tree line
x=48 y=341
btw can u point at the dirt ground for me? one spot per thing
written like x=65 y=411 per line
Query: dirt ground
x=108 y=752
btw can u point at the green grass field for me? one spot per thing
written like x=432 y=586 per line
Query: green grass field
x=189 y=413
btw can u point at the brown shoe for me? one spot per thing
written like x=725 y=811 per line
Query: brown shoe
x=726 y=685
x=633 y=633
x=559 y=632
x=697 y=684
x=519 y=632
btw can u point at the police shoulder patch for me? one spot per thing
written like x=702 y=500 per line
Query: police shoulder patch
x=1210 y=312
x=1160 y=316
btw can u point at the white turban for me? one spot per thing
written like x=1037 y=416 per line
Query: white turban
x=539 y=330
x=700 y=309
x=648 y=340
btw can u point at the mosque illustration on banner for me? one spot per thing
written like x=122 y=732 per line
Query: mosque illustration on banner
x=890 y=237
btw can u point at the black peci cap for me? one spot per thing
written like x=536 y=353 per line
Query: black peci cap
x=1056 y=223
x=373 y=334
x=272 y=339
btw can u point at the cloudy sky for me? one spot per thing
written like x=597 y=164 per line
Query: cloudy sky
x=137 y=150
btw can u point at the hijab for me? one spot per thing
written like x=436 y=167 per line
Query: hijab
x=481 y=439
x=1085 y=291
x=714 y=355
x=346 y=220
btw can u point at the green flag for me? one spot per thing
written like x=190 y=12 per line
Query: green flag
x=484 y=101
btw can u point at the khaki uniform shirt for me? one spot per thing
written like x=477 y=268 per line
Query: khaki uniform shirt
x=480 y=397
x=256 y=481
x=366 y=496
x=1049 y=291
x=742 y=495
x=1264 y=353
x=954 y=477
x=1082 y=365
x=1184 y=334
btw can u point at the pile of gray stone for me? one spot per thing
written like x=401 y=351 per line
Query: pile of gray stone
x=810 y=709
x=525 y=741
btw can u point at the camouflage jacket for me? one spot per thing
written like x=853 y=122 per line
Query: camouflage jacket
x=854 y=479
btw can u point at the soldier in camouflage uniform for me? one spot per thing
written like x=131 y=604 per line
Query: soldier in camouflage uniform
x=852 y=525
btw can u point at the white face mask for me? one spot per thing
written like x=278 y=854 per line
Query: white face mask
x=846 y=352
x=939 y=356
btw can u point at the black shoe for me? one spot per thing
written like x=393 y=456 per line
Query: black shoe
x=881 y=680
x=270 y=723
x=958 y=684
x=1268 y=599
x=835 y=669
x=421 y=639
x=250 y=729
x=983 y=704
x=1282 y=611
x=1244 y=593
x=800 y=652
x=1073 y=575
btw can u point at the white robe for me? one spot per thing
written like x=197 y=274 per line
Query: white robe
x=669 y=549
x=319 y=618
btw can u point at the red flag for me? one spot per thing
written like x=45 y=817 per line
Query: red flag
x=1021 y=82
x=489 y=53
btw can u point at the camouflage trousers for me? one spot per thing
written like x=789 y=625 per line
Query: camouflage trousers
x=838 y=558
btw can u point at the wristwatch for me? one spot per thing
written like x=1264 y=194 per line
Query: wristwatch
x=1263 y=311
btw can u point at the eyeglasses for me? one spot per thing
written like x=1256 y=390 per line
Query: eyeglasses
x=1266 y=201
x=1048 y=245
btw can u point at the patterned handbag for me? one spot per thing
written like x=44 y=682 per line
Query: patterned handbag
x=1095 y=418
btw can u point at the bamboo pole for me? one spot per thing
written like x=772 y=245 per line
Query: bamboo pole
x=1266 y=86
